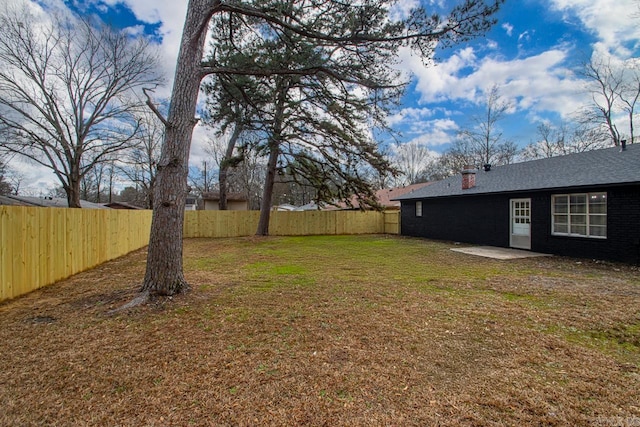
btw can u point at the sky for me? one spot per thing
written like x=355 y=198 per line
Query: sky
x=533 y=54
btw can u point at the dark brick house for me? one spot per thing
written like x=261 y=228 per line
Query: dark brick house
x=582 y=205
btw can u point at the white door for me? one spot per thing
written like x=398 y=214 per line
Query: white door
x=520 y=224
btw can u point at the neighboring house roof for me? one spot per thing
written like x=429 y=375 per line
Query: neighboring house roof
x=591 y=168
x=231 y=197
x=50 y=202
x=9 y=200
x=121 y=205
x=311 y=206
x=386 y=197
x=284 y=207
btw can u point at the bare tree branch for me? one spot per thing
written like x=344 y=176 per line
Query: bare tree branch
x=67 y=91
x=153 y=107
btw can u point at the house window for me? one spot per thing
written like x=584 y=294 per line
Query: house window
x=583 y=215
x=418 y=208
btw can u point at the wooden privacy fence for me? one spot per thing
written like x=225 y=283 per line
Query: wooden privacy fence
x=40 y=246
x=307 y=223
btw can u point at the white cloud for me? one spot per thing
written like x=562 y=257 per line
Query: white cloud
x=201 y=134
x=613 y=22
x=524 y=37
x=171 y=15
x=537 y=82
x=136 y=30
x=492 y=44
x=438 y=132
x=401 y=9
x=409 y=114
x=508 y=28
x=438 y=82
x=36 y=180
x=433 y=133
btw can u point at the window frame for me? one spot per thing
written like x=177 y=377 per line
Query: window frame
x=419 y=208
x=584 y=214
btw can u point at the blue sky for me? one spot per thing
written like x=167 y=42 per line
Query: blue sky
x=533 y=54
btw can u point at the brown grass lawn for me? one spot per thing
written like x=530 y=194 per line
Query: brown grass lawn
x=329 y=331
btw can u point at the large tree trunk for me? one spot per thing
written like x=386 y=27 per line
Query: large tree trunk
x=274 y=152
x=148 y=202
x=73 y=191
x=164 y=275
x=265 y=205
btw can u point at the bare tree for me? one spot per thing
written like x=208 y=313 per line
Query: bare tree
x=67 y=92
x=412 y=161
x=230 y=112
x=436 y=169
x=93 y=183
x=563 y=139
x=551 y=142
x=138 y=163
x=614 y=87
x=14 y=179
x=202 y=179
x=250 y=174
x=630 y=93
x=461 y=154
x=364 y=27
x=227 y=152
x=482 y=142
x=604 y=85
x=5 y=185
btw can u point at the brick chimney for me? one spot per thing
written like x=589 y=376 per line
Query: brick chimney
x=468 y=177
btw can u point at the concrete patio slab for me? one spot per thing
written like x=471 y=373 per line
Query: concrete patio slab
x=498 y=253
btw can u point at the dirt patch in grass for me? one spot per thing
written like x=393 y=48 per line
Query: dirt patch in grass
x=335 y=331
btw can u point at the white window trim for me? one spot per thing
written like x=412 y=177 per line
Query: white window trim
x=587 y=214
x=419 y=208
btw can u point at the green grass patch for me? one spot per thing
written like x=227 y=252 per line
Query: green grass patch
x=621 y=341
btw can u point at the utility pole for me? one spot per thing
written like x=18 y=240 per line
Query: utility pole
x=206 y=181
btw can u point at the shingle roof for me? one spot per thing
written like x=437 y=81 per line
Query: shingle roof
x=590 y=168
x=122 y=205
x=16 y=201
x=50 y=202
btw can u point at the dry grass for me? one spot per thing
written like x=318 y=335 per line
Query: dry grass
x=335 y=331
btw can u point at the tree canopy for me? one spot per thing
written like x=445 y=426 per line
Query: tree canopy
x=319 y=129
x=371 y=31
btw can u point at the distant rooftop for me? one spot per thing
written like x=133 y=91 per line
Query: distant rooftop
x=47 y=202
x=387 y=196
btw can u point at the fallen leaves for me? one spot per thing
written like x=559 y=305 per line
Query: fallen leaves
x=413 y=335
